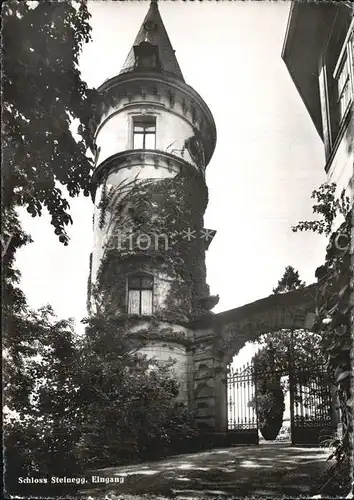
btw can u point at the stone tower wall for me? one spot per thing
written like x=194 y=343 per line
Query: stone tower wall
x=172 y=125
x=158 y=194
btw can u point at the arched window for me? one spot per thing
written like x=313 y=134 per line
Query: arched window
x=140 y=294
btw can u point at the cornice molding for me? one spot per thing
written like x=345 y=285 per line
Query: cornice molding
x=173 y=85
x=133 y=157
x=158 y=105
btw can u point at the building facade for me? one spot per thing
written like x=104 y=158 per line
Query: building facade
x=319 y=54
x=318 y=51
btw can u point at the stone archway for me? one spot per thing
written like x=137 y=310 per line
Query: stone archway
x=228 y=332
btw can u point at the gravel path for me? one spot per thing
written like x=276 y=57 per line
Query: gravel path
x=244 y=471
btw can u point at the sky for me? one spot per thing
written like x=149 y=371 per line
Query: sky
x=267 y=161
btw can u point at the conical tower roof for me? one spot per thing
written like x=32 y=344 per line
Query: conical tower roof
x=153 y=31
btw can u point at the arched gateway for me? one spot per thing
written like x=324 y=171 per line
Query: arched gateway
x=227 y=333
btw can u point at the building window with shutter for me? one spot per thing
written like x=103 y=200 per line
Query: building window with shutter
x=342 y=75
x=144 y=132
x=337 y=80
x=344 y=86
x=140 y=294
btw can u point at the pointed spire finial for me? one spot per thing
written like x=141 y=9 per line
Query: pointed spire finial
x=153 y=31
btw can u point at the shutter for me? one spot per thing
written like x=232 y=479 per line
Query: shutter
x=146 y=302
x=322 y=80
x=133 y=302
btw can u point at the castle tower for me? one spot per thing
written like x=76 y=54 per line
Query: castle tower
x=155 y=136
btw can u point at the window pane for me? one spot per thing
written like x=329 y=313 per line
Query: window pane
x=344 y=100
x=133 y=302
x=144 y=132
x=343 y=75
x=150 y=141
x=146 y=302
x=344 y=88
x=144 y=121
x=134 y=283
x=138 y=141
x=146 y=283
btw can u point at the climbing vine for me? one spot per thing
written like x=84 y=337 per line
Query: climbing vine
x=194 y=146
x=103 y=205
x=334 y=313
x=156 y=226
x=334 y=319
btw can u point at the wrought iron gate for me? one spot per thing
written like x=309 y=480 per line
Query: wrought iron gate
x=311 y=407
x=311 y=414
x=242 y=416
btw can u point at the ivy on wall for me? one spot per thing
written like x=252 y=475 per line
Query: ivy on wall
x=103 y=206
x=153 y=333
x=334 y=320
x=168 y=213
x=334 y=315
x=194 y=146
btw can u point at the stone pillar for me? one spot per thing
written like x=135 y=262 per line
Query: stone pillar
x=209 y=390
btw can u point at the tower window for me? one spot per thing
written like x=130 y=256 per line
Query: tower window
x=140 y=295
x=146 y=56
x=144 y=132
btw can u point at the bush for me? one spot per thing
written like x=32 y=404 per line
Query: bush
x=88 y=404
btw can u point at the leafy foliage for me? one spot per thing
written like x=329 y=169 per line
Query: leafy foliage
x=335 y=308
x=269 y=391
x=163 y=210
x=194 y=146
x=55 y=383
x=74 y=403
x=38 y=394
x=328 y=206
x=42 y=94
x=138 y=395
x=333 y=322
x=334 y=482
x=303 y=347
x=270 y=408
x=12 y=238
x=298 y=347
x=280 y=353
x=290 y=281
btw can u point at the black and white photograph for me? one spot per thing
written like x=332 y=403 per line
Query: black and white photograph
x=177 y=249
